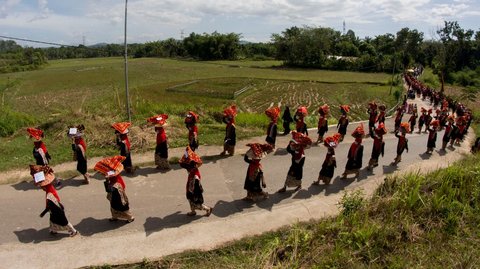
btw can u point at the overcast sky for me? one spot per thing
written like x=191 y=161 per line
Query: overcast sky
x=73 y=22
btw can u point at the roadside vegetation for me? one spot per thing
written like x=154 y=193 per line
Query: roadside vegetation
x=412 y=221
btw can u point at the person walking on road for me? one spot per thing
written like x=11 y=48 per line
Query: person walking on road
x=343 y=121
x=43 y=177
x=287 y=120
x=123 y=143
x=194 y=190
x=381 y=114
x=355 y=153
x=296 y=148
x=378 y=145
x=161 y=150
x=322 y=122
x=413 y=119
x=230 y=139
x=372 y=117
x=40 y=152
x=330 y=163
x=79 y=148
x=254 y=180
x=448 y=135
x=191 y=120
x=115 y=188
x=402 y=145
x=299 y=118
x=432 y=136
x=273 y=114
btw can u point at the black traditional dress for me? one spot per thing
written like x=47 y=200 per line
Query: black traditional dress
x=271 y=133
x=254 y=178
x=119 y=205
x=328 y=167
x=287 y=119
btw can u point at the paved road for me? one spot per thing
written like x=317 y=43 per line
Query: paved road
x=159 y=205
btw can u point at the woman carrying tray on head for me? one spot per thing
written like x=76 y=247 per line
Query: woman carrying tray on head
x=79 y=148
x=402 y=145
x=161 y=150
x=191 y=120
x=194 y=190
x=43 y=177
x=122 y=141
x=273 y=114
x=115 y=188
x=254 y=180
x=296 y=148
x=330 y=163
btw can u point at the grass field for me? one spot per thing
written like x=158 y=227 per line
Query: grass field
x=91 y=91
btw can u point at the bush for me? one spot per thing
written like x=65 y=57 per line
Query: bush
x=11 y=121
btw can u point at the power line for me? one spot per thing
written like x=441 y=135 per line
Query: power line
x=36 y=41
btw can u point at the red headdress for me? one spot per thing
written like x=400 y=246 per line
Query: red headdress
x=332 y=141
x=191 y=117
x=423 y=110
x=301 y=139
x=325 y=109
x=230 y=112
x=451 y=118
x=345 y=108
x=381 y=130
x=382 y=107
x=273 y=113
x=42 y=174
x=111 y=166
x=190 y=156
x=430 y=111
x=359 y=132
x=435 y=123
x=158 y=120
x=405 y=126
x=302 y=111
x=258 y=151
x=37 y=134
x=372 y=105
x=121 y=127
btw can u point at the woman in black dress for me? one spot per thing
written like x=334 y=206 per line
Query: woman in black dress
x=254 y=180
x=330 y=163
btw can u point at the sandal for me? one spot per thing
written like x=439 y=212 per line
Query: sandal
x=73 y=234
x=209 y=212
x=192 y=213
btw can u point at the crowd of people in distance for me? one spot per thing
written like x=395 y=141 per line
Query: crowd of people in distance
x=452 y=116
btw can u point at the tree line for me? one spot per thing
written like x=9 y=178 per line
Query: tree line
x=454 y=55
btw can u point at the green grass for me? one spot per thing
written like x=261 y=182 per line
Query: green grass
x=92 y=92
x=413 y=221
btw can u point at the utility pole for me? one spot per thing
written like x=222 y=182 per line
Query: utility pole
x=126 y=66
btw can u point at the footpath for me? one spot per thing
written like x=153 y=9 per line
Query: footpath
x=158 y=202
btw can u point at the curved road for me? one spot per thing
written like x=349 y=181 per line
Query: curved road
x=158 y=202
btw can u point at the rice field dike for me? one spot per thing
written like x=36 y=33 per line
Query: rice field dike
x=92 y=92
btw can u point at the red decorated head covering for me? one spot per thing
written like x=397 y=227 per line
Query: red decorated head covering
x=345 y=108
x=111 y=166
x=405 y=127
x=230 y=112
x=302 y=111
x=301 y=139
x=359 y=132
x=273 y=113
x=258 y=151
x=435 y=123
x=372 y=105
x=451 y=118
x=191 y=117
x=382 y=107
x=324 y=109
x=430 y=111
x=461 y=120
x=37 y=134
x=121 y=127
x=423 y=110
x=42 y=174
x=158 y=120
x=190 y=156
x=332 y=141
x=381 y=129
